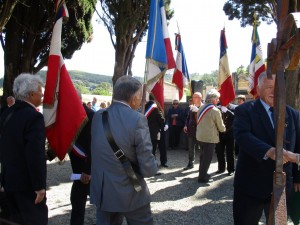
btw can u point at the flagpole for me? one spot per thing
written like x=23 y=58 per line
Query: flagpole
x=145 y=87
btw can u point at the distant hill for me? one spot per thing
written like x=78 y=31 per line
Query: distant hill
x=87 y=78
x=92 y=80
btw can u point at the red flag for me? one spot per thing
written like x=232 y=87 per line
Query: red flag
x=225 y=84
x=158 y=92
x=63 y=111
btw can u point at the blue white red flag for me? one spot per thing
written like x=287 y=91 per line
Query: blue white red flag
x=159 y=55
x=181 y=74
x=62 y=108
x=225 y=84
x=257 y=65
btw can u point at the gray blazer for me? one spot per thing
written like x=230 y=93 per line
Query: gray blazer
x=111 y=189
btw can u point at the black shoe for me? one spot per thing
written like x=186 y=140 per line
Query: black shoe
x=164 y=165
x=204 y=180
x=230 y=173
x=158 y=174
x=188 y=167
x=220 y=171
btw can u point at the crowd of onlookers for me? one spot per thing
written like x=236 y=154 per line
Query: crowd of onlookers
x=116 y=150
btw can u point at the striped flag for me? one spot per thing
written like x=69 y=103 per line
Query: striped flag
x=257 y=65
x=181 y=74
x=159 y=55
x=225 y=84
x=63 y=111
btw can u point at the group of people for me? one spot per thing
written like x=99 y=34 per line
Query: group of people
x=116 y=151
x=93 y=105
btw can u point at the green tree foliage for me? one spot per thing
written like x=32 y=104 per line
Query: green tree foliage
x=27 y=34
x=82 y=87
x=210 y=79
x=103 y=89
x=267 y=11
x=243 y=10
x=126 y=22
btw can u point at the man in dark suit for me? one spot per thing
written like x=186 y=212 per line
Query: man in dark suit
x=175 y=122
x=80 y=157
x=226 y=144
x=155 y=123
x=22 y=148
x=112 y=189
x=254 y=133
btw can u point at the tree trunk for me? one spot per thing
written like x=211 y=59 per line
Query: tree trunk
x=119 y=64
x=292 y=89
x=12 y=60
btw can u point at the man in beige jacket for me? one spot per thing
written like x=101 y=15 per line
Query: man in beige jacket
x=209 y=124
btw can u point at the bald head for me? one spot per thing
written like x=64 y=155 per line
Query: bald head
x=197 y=98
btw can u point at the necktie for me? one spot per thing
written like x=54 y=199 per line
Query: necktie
x=272 y=115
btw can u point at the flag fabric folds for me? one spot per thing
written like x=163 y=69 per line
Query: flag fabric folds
x=257 y=65
x=159 y=55
x=63 y=112
x=181 y=74
x=225 y=84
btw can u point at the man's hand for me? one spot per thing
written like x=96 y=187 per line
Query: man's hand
x=166 y=127
x=271 y=153
x=194 y=108
x=224 y=109
x=85 y=178
x=40 y=195
x=286 y=155
x=185 y=129
x=297 y=187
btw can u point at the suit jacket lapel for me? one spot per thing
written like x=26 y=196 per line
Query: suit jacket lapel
x=265 y=120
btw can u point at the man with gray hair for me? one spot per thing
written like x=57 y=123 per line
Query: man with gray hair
x=112 y=190
x=254 y=130
x=209 y=124
x=22 y=149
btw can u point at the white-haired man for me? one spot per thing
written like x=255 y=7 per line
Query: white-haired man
x=209 y=124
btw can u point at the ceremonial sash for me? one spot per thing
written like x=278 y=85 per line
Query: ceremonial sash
x=79 y=151
x=151 y=108
x=203 y=111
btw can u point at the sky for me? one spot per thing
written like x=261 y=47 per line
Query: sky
x=200 y=24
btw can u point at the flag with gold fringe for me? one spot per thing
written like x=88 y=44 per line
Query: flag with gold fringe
x=62 y=108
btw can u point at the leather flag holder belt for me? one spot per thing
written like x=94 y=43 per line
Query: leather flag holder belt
x=119 y=154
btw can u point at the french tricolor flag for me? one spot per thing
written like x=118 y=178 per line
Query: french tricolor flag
x=63 y=112
x=225 y=84
x=257 y=65
x=159 y=55
x=181 y=74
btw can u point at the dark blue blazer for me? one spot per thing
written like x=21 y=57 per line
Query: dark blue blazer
x=254 y=134
x=22 y=148
x=155 y=121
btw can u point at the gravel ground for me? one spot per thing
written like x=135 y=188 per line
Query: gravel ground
x=177 y=197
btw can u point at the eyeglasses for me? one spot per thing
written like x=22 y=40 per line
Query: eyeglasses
x=175 y=103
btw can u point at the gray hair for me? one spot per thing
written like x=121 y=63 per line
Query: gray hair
x=26 y=83
x=261 y=78
x=212 y=94
x=125 y=88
